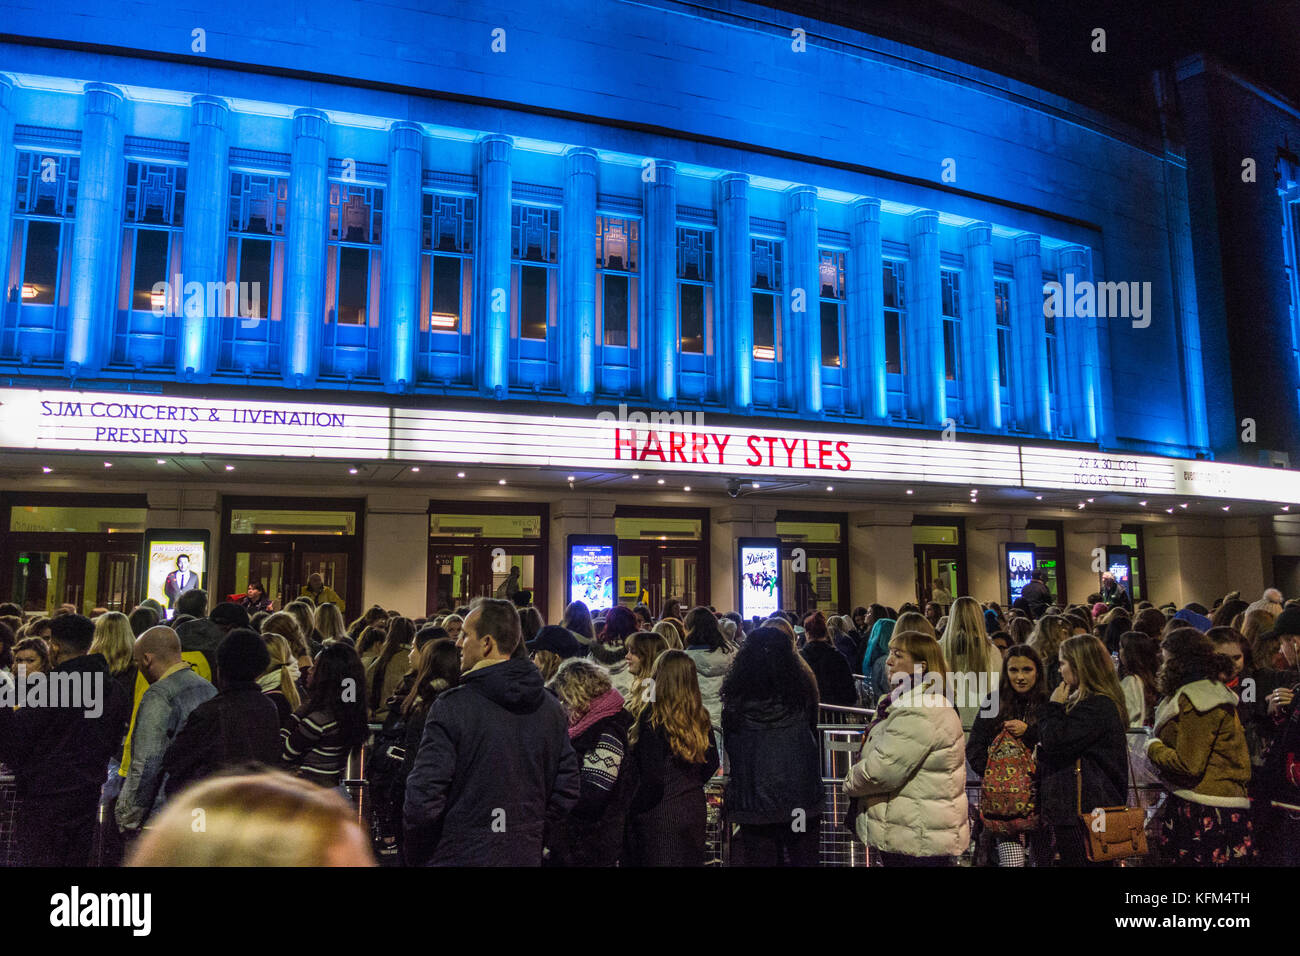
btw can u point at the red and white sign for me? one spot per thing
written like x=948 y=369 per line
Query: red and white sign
x=154 y=425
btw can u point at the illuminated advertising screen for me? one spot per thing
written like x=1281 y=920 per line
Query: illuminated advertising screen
x=759 y=566
x=1117 y=563
x=1020 y=567
x=175 y=561
x=592 y=563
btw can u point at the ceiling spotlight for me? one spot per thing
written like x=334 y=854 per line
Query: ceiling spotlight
x=661 y=481
x=686 y=488
x=1090 y=500
x=570 y=478
x=1082 y=506
x=974 y=491
x=830 y=487
x=162 y=461
x=1226 y=507
x=230 y=468
x=460 y=474
x=501 y=481
x=352 y=471
x=909 y=491
x=1286 y=507
x=1038 y=497
x=46 y=468
x=108 y=464
x=1142 y=503
x=1182 y=506
x=1169 y=511
x=415 y=468
x=753 y=484
x=635 y=477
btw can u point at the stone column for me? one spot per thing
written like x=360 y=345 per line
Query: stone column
x=661 y=271
x=400 y=298
x=926 y=388
x=866 y=316
x=304 y=294
x=802 y=347
x=736 y=315
x=203 y=254
x=979 y=333
x=578 y=271
x=493 y=305
x=1031 y=402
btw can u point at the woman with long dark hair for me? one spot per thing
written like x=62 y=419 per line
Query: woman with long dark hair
x=712 y=654
x=387 y=669
x=1199 y=747
x=1139 y=661
x=610 y=647
x=331 y=723
x=437 y=670
x=769 y=721
x=1020 y=697
x=577 y=618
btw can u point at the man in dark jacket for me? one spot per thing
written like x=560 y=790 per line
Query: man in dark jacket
x=495 y=767
x=835 y=683
x=1037 y=596
x=59 y=750
x=237 y=727
x=205 y=634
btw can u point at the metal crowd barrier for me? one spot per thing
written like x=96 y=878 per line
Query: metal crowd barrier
x=8 y=812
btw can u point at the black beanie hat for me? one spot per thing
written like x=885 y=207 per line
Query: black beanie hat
x=242 y=656
x=229 y=614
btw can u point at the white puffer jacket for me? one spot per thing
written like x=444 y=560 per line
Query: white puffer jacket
x=712 y=667
x=911 y=776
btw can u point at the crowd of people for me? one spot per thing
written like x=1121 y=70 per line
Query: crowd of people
x=492 y=737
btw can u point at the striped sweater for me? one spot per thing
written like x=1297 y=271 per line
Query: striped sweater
x=313 y=745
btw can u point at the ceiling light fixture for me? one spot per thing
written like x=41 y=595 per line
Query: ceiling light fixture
x=230 y=468
x=501 y=481
x=108 y=464
x=460 y=474
x=415 y=468
x=46 y=468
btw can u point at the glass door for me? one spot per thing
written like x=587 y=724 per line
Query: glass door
x=474 y=551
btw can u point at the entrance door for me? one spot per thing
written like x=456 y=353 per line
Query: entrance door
x=284 y=569
x=664 y=572
x=942 y=565
x=459 y=573
x=87 y=573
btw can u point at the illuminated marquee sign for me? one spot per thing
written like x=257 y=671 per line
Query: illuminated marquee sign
x=131 y=423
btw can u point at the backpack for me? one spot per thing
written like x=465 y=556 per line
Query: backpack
x=1009 y=801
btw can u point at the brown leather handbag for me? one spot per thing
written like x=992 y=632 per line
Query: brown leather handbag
x=1114 y=833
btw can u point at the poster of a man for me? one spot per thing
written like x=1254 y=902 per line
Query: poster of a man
x=174 y=566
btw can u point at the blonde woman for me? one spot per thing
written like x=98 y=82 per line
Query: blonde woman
x=453 y=623
x=329 y=624
x=910 y=777
x=643 y=649
x=116 y=641
x=264 y=819
x=284 y=624
x=974 y=663
x=671 y=633
x=305 y=614
x=591 y=834
x=675 y=755
x=280 y=681
x=1081 y=742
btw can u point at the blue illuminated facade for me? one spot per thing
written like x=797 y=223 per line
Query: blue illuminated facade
x=653 y=203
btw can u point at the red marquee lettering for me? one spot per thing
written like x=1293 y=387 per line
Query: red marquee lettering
x=699 y=448
x=722 y=447
x=676 y=447
x=823 y=449
x=840 y=447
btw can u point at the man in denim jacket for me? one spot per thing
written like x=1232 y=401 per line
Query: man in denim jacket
x=174 y=691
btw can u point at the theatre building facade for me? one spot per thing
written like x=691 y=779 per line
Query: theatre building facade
x=680 y=276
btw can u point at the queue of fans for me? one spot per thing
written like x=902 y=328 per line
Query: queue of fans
x=493 y=737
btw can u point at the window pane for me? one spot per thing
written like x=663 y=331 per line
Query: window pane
x=1002 y=357
x=950 y=364
x=150 y=266
x=259 y=521
x=533 y=302
x=56 y=518
x=615 y=299
x=255 y=276
x=893 y=343
x=692 y=318
x=830 y=334
x=354 y=266
x=485 y=526
x=764 y=327
x=446 y=294
x=41 y=269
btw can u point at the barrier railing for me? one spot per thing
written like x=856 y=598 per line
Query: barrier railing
x=8 y=812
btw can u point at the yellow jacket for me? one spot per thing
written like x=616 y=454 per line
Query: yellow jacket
x=327 y=593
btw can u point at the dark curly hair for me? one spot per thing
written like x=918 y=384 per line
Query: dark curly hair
x=1191 y=658
x=766 y=668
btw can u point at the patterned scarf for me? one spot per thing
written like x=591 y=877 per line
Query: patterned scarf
x=606 y=705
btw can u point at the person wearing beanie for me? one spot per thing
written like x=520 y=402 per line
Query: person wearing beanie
x=610 y=647
x=239 y=726
x=1271 y=601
